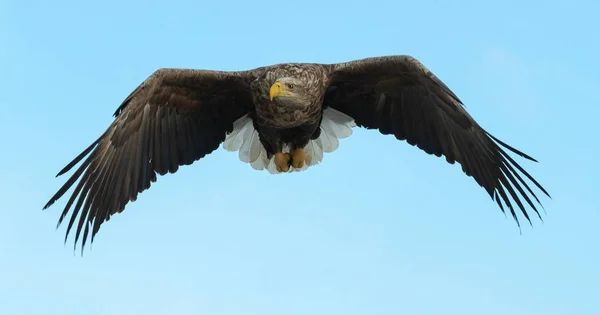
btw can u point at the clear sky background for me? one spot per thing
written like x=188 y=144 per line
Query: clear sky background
x=378 y=228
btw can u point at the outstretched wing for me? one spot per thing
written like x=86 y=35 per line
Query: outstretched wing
x=174 y=118
x=398 y=95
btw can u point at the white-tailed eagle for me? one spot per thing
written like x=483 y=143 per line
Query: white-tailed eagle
x=282 y=118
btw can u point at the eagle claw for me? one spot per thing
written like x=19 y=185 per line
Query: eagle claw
x=297 y=158
x=282 y=161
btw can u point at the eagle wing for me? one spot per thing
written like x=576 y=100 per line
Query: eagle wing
x=175 y=117
x=398 y=95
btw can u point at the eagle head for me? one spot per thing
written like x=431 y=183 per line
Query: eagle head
x=290 y=93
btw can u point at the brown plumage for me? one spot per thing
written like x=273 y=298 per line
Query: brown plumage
x=178 y=116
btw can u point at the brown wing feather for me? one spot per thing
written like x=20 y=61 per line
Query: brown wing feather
x=400 y=96
x=174 y=118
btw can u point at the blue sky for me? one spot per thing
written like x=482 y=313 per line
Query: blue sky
x=378 y=228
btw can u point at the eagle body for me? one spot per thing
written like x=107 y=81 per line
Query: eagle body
x=282 y=118
x=280 y=127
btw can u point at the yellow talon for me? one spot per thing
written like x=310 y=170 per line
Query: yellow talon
x=297 y=158
x=282 y=161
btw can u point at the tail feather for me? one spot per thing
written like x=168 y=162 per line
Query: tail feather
x=235 y=139
x=245 y=139
x=339 y=123
x=244 y=151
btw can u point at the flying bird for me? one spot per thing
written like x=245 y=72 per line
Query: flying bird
x=282 y=118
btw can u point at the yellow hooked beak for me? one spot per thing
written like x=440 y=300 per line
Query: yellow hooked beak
x=278 y=89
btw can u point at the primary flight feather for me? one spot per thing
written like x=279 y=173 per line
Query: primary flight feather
x=281 y=118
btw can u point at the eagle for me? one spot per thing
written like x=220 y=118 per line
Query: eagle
x=282 y=118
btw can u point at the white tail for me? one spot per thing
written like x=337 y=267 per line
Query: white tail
x=244 y=138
